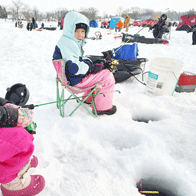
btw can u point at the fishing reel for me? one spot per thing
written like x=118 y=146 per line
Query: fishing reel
x=31 y=128
x=114 y=64
x=109 y=56
x=18 y=94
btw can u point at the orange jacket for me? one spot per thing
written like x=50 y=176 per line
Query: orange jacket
x=119 y=24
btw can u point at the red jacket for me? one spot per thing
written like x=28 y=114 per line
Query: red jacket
x=62 y=21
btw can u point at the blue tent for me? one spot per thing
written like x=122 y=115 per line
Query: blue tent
x=113 y=22
x=93 y=23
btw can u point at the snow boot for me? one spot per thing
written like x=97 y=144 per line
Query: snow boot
x=17 y=188
x=24 y=184
x=108 y=112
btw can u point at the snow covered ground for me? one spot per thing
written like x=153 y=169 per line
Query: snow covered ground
x=83 y=156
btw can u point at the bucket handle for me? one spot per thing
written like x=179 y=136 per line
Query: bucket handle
x=174 y=75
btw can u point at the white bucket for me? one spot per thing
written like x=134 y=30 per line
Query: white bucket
x=163 y=76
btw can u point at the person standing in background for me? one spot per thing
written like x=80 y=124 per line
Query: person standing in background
x=127 y=22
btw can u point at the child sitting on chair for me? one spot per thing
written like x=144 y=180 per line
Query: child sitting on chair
x=16 y=149
x=82 y=72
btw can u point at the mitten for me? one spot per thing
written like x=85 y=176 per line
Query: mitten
x=105 y=63
x=25 y=115
x=87 y=61
x=11 y=105
x=95 y=67
x=8 y=116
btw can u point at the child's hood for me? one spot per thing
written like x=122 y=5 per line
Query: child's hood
x=70 y=21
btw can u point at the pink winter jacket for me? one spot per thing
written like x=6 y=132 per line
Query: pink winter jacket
x=16 y=147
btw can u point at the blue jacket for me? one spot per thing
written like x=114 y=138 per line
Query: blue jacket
x=69 y=49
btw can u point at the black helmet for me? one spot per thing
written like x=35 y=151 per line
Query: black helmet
x=163 y=15
x=18 y=94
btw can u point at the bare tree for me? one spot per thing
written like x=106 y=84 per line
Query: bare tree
x=35 y=13
x=93 y=13
x=119 y=11
x=17 y=8
x=3 y=12
x=105 y=15
x=135 y=13
x=126 y=11
x=50 y=16
x=191 y=12
x=84 y=11
x=147 y=14
x=60 y=14
x=90 y=13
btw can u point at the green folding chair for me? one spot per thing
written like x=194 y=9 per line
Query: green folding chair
x=59 y=66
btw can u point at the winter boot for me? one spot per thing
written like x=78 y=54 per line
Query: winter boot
x=17 y=188
x=108 y=112
x=24 y=184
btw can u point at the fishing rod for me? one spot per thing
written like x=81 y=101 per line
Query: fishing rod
x=153 y=19
x=32 y=106
x=141 y=29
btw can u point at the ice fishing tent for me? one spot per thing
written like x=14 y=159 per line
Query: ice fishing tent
x=186 y=22
x=104 y=24
x=113 y=22
x=93 y=23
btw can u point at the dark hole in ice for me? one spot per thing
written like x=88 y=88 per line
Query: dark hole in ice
x=156 y=187
x=145 y=119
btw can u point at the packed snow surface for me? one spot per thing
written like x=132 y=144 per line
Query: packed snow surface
x=149 y=136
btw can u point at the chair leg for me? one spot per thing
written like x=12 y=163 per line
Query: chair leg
x=61 y=101
x=60 y=97
x=62 y=104
x=81 y=102
x=57 y=94
x=93 y=100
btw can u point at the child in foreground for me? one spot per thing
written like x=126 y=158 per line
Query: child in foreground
x=16 y=152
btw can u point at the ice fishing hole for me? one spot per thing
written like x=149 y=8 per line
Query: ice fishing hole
x=145 y=119
x=160 y=187
x=147 y=116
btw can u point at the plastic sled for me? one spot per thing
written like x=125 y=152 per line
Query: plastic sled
x=128 y=38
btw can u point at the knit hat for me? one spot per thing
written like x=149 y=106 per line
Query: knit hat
x=81 y=26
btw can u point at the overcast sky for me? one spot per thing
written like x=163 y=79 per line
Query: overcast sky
x=108 y=6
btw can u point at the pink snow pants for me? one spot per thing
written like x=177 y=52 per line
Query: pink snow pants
x=103 y=102
x=16 y=148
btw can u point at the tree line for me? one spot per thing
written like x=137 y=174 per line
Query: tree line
x=136 y=13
